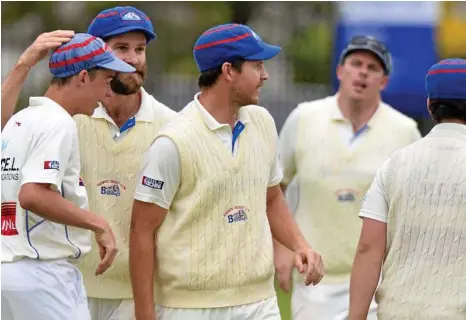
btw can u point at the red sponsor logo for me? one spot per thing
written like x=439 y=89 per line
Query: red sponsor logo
x=9 y=219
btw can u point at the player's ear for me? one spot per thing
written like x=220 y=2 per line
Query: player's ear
x=83 y=78
x=339 y=71
x=383 y=82
x=428 y=107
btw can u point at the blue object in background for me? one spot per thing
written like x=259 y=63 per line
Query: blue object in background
x=408 y=31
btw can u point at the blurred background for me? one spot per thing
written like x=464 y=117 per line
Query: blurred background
x=311 y=33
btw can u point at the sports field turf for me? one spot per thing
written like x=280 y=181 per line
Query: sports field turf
x=284 y=303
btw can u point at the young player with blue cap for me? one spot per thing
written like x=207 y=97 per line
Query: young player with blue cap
x=45 y=217
x=112 y=142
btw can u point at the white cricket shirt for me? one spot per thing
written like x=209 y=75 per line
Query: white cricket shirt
x=40 y=145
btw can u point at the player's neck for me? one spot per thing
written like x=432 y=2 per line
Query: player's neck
x=62 y=97
x=357 y=112
x=121 y=108
x=219 y=106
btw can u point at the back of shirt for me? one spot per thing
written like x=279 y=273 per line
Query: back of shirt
x=39 y=145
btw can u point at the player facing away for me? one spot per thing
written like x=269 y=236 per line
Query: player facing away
x=111 y=142
x=45 y=221
x=332 y=149
x=209 y=196
x=414 y=216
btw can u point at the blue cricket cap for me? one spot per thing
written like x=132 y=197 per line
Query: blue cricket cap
x=84 y=52
x=119 y=20
x=229 y=42
x=447 y=80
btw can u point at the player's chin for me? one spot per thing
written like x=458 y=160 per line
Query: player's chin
x=127 y=84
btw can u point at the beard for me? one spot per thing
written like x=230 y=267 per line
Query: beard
x=129 y=83
x=242 y=99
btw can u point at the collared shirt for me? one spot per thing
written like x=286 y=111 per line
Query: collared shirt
x=168 y=167
x=144 y=114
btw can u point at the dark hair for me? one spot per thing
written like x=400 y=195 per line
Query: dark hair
x=60 y=82
x=442 y=109
x=209 y=77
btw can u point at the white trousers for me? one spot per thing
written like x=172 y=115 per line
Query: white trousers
x=262 y=310
x=111 y=309
x=324 y=302
x=43 y=290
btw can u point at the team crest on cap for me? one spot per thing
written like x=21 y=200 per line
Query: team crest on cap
x=131 y=16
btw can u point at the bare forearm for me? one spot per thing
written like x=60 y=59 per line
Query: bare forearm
x=11 y=89
x=50 y=205
x=364 y=280
x=284 y=228
x=141 y=264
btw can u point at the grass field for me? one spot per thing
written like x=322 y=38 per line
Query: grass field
x=284 y=303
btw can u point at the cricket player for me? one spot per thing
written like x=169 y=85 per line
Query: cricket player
x=332 y=149
x=45 y=217
x=112 y=143
x=414 y=216
x=209 y=195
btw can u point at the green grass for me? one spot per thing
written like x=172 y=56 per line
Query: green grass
x=284 y=303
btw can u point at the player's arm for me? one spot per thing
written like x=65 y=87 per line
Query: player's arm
x=283 y=257
x=158 y=183
x=42 y=177
x=13 y=83
x=370 y=252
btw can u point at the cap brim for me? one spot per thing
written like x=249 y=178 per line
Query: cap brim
x=267 y=53
x=117 y=65
x=151 y=36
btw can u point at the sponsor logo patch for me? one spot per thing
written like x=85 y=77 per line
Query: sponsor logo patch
x=152 y=183
x=53 y=165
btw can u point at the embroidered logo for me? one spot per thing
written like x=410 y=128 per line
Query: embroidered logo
x=346 y=195
x=111 y=188
x=131 y=16
x=237 y=214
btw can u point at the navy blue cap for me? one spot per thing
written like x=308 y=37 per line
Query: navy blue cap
x=229 y=42
x=119 y=20
x=371 y=44
x=84 y=52
x=447 y=80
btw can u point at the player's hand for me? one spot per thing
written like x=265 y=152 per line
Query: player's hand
x=309 y=263
x=284 y=267
x=107 y=248
x=42 y=45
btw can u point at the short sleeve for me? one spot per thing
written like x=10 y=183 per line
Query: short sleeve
x=50 y=153
x=160 y=174
x=375 y=202
x=287 y=146
x=276 y=174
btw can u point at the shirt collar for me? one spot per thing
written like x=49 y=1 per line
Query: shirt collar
x=211 y=122
x=145 y=112
x=45 y=101
x=449 y=127
x=337 y=116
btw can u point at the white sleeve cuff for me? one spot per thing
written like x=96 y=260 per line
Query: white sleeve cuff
x=373 y=215
x=149 y=199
